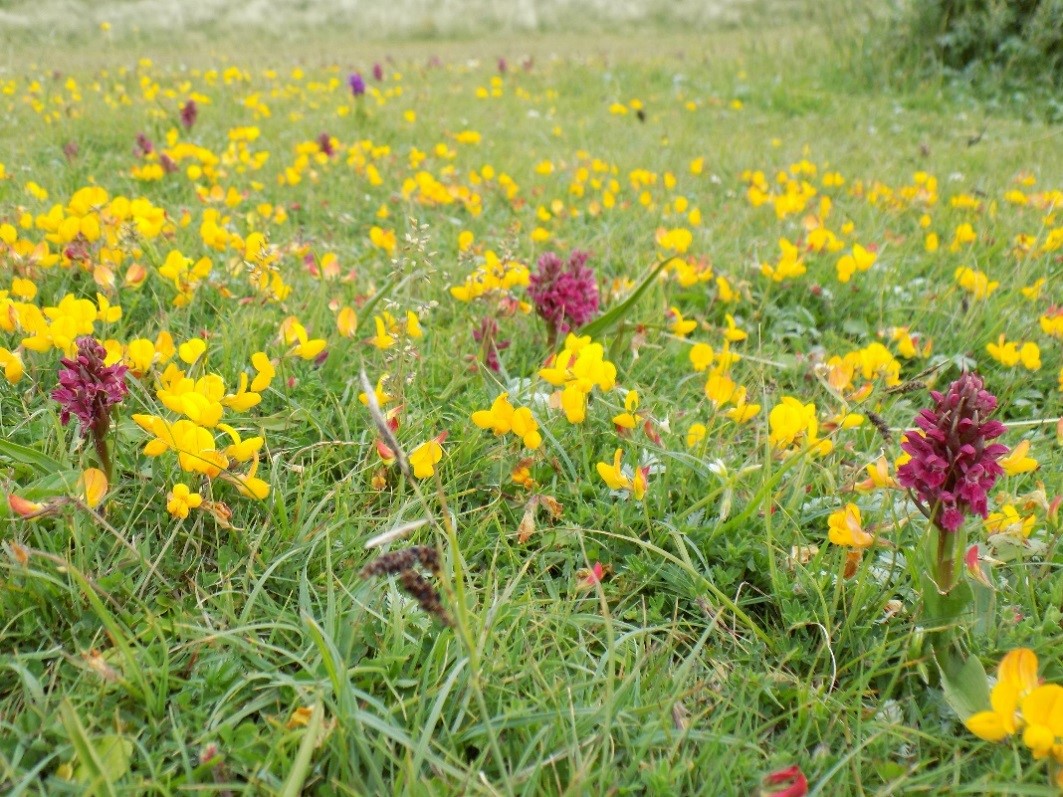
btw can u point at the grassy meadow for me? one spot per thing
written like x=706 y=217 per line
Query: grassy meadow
x=367 y=482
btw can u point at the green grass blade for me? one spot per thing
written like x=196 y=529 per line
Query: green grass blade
x=293 y=785
x=86 y=753
x=25 y=455
x=614 y=315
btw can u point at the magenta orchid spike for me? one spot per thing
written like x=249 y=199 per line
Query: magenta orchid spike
x=88 y=389
x=953 y=465
x=565 y=294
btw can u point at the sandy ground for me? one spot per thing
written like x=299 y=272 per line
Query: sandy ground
x=376 y=19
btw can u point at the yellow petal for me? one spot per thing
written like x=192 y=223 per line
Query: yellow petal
x=987 y=725
x=93 y=486
x=191 y=350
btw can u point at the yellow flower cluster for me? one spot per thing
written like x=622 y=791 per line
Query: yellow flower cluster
x=1020 y=703
x=203 y=402
x=975 y=282
x=578 y=369
x=503 y=418
x=1011 y=353
x=794 y=425
x=870 y=363
x=789 y=266
x=491 y=276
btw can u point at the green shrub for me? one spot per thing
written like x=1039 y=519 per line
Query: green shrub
x=1015 y=38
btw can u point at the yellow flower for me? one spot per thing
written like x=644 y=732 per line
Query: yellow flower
x=305 y=347
x=382 y=397
x=791 y=423
x=241 y=450
x=1016 y=678
x=612 y=474
x=93 y=486
x=413 y=325
x=574 y=403
x=964 y=234
x=724 y=292
x=1030 y=356
x=425 y=457
x=1033 y=292
x=300 y=718
x=695 y=434
x=845 y=528
x=790 y=265
x=1004 y=352
x=248 y=485
x=195 y=447
x=525 y=427
x=741 y=411
x=615 y=479
x=878 y=476
x=701 y=356
x=679 y=325
x=180 y=501
x=383 y=239
x=859 y=260
x=242 y=399
x=140 y=355
x=191 y=350
x=975 y=282
x=499 y=419
x=677 y=240
x=1017 y=461
x=198 y=399
x=265 y=371
x=109 y=313
x=382 y=340
x=347 y=322
x=639 y=483
x=849 y=420
x=733 y=334
x=522 y=475
x=1042 y=712
x=628 y=419
x=719 y=388
x=1052 y=324
x=12 y=364
x=1009 y=521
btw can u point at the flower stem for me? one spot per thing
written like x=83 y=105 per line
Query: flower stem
x=99 y=439
x=944 y=561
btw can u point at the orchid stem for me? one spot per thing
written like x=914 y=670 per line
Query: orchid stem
x=944 y=561
x=99 y=439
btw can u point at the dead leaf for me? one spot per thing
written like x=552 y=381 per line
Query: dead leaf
x=552 y=506
x=852 y=563
x=802 y=554
x=527 y=523
x=99 y=665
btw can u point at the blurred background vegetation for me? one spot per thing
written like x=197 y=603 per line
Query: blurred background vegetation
x=1005 y=53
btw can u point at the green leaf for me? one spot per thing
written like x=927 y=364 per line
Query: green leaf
x=964 y=682
x=92 y=768
x=25 y=455
x=293 y=785
x=619 y=312
x=115 y=753
x=944 y=610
